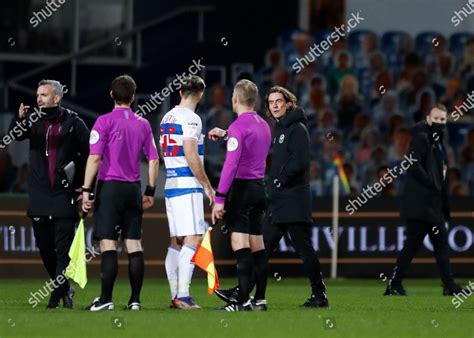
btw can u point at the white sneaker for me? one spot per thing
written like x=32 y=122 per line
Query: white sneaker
x=135 y=306
x=98 y=306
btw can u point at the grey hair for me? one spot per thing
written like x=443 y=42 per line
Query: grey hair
x=57 y=86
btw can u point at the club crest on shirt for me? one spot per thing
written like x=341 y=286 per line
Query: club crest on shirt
x=94 y=137
x=232 y=144
x=281 y=139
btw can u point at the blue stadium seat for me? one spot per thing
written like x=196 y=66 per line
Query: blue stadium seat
x=286 y=38
x=457 y=41
x=424 y=42
x=354 y=41
x=390 y=40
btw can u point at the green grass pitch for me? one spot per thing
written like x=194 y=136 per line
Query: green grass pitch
x=357 y=309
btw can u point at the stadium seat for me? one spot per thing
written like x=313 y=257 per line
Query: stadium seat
x=285 y=40
x=390 y=40
x=424 y=42
x=354 y=41
x=457 y=41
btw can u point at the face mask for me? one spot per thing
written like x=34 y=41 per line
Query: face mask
x=437 y=128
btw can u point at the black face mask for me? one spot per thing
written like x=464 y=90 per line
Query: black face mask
x=52 y=113
x=437 y=129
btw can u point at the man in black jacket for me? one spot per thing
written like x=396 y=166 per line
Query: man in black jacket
x=425 y=206
x=57 y=138
x=290 y=196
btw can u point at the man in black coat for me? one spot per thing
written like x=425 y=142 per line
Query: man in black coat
x=424 y=201
x=290 y=196
x=57 y=137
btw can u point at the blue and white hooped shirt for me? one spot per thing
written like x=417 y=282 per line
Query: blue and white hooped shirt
x=178 y=124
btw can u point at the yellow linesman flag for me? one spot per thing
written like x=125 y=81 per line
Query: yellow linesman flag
x=205 y=260
x=77 y=268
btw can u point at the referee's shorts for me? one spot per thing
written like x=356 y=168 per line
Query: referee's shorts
x=118 y=210
x=245 y=206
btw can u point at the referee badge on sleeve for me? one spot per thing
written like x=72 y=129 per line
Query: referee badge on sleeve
x=94 y=138
x=232 y=144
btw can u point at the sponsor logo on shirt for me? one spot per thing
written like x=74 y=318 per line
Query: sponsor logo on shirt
x=94 y=137
x=232 y=144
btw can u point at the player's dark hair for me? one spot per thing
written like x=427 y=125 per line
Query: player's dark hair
x=192 y=85
x=287 y=95
x=123 y=89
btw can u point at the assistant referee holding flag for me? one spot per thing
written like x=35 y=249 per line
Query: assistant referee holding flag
x=116 y=143
x=425 y=206
x=242 y=189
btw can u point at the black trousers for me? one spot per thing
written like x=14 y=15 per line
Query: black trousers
x=53 y=238
x=416 y=232
x=300 y=234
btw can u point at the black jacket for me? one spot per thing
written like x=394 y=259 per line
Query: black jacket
x=289 y=172
x=73 y=146
x=424 y=195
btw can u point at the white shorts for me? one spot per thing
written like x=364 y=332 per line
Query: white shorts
x=186 y=215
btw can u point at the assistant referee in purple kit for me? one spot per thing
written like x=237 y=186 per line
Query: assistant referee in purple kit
x=116 y=143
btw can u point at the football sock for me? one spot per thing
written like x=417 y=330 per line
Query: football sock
x=185 y=270
x=244 y=272
x=108 y=273
x=261 y=273
x=136 y=270
x=171 y=264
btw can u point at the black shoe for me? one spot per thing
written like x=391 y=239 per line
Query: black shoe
x=317 y=300
x=98 y=306
x=453 y=289
x=229 y=296
x=395 y=290
x=53 y=304
x=235 y=307
x=68 y=301
x=259 y=305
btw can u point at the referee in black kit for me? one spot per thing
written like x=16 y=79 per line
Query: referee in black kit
x=116 y=143
x=425 y=206
x=290 y=197
x=57 y=138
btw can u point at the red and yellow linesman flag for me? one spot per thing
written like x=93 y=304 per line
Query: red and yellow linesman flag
x=205 y=260
x=342 y=175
